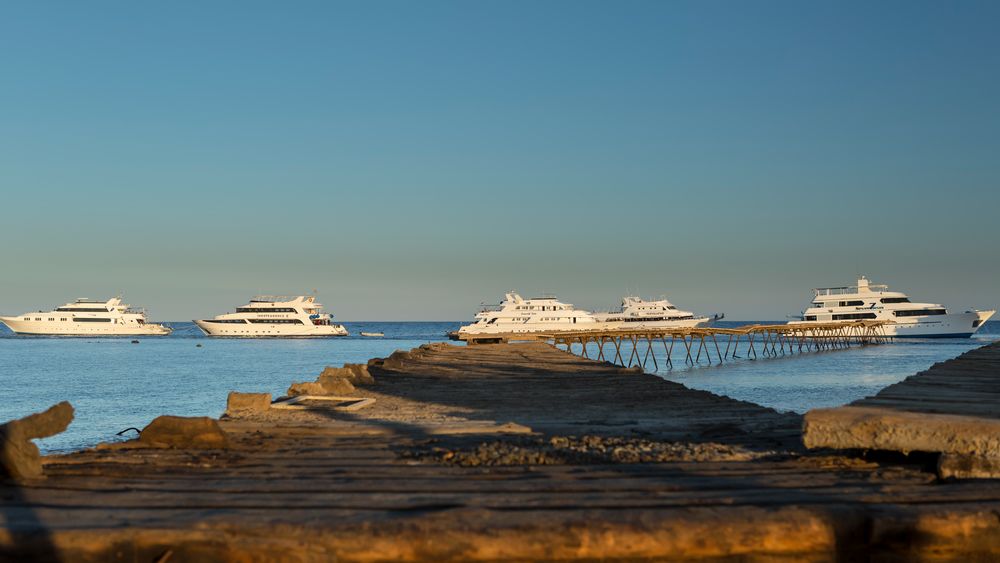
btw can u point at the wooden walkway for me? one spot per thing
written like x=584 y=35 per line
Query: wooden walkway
x=648 y=347
x=376 y=484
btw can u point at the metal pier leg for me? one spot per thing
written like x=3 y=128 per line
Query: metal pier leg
x=618 y=350
x=634 y=353
x=649 y=351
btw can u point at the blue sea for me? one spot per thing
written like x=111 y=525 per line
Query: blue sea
x=114 y=384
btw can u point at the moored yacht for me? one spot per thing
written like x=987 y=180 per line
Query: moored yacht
x=516 y=315
x=87 y=317
x=638 y=313
x=866 y=301
x=274 y=316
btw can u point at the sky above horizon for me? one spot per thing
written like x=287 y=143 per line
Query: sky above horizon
x=410 y=160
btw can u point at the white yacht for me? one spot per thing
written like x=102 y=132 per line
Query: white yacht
x=536 y=315
x=638 y=313
x=87 y=317
x=274 y=316
x=875 y=302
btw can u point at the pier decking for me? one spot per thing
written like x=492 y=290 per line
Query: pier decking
x=468 y=453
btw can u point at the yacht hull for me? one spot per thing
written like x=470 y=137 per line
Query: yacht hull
x=656 y=325
x=953 y=325
x=513 y=329
x=263 y=330
x=57 y=328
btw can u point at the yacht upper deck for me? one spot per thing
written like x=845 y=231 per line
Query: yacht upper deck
x=276 y=298
x=863 y=287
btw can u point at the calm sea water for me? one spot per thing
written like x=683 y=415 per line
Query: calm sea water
x=114 y=384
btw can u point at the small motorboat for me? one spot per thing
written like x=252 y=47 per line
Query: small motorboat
x=373 y=334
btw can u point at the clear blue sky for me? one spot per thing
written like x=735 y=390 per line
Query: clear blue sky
x=411 y=159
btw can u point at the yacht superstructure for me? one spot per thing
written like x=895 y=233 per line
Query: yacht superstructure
x=638 y=313
x=274 y=316
x=87 y=317
x=538 y=314
x=866 y=301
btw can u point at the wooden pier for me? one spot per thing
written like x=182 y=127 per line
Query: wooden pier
x=507 y=452
x=628 y=347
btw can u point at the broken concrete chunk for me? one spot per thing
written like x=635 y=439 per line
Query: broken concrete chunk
x=395 y=361
x=336 y=385
x=247 y=403
x=199 y=433
x=870 y=428
x=19 y=456
x=355 y=373
x=966 y=466
x=306 y=388
x=360 y=374
x=42 y=424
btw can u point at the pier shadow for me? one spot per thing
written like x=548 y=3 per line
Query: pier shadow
x=31 y=539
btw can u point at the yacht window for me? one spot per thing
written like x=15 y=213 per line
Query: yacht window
x=895 y=300
x=38 y=318
x=810 y=317
x=921 y=312
x=91 y=320
x=80 y=310
x=62 y=319
x=265 y=310
x=851 y=303
x=853 y=316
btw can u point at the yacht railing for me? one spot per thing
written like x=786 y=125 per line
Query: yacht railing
x=273 y=298
x=847 y=290
x=484 y=308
